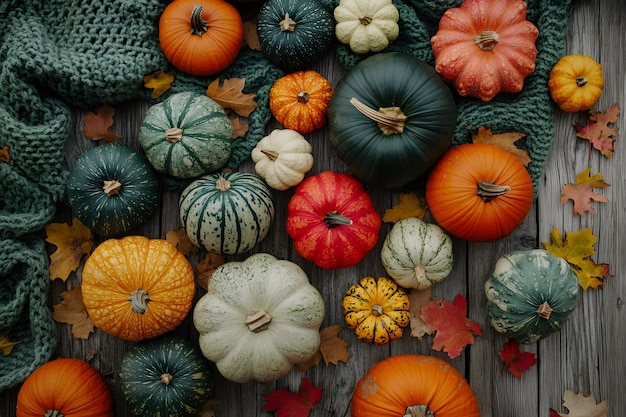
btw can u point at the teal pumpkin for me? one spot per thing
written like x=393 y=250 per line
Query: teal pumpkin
x=112 y=189
x=530 y=294
x=391 y=117
x=187 y=135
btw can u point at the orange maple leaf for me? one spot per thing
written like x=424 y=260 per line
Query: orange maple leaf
x=581 y=193
x=505 y=141
x=71 y=310
x=230 y=95
x=598 y=132
x=160 y=82
x=409 y=205
x=96 y=126
x=74 y=242
x=5 y=154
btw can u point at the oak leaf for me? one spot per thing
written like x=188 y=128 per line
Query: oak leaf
x=577 y=249
x=205 y=268
x=230 y=95
x=239 y=127
x=160 y=82
x=71 y=310
x=332 y=347
x=74 y=242
x=6 y=346
x=417 y=300
x=516 y=360
x=598 y=132
x=581 y=193
x=289 y=404
x=5 y=154
x=250 y=35
x=453 y=329
x=409 y=205
x=96 y=125
x=181 y=241
x=580 y=406
x=505 y=141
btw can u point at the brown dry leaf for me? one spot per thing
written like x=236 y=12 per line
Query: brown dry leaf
x=250 y=36
x=581 y=193
x=209 y=408
x=206 y=267
x=505 y=141
x=332 y=347
x=239 y=128
x=580 y=406
x=417 y=300
x=160 y=82
x=5 y=154
x=230 y=96
x=312 y=362
x=180 y=239
x=96 y=126
x=74 y=242
x=409 y=205
x=6 y=346
x=71 y=310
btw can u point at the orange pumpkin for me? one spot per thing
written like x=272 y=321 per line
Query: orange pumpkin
x=137 y=288
x=64 y=386
x=484 y=47
x=479 y=192
x=200 y=37
x=413 y=385
x=299 y=100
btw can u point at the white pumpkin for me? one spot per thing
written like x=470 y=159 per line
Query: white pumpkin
x=282 y=158
x=259 y=318
x=366 y=26
x=417 y=254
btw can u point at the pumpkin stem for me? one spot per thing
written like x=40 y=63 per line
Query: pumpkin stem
x=53 y=413
x=420 y=276
x=303 y=97
x=198 y=24
x=544 y=311
x=488 y=190
x=487 y=40
x=390 y=119
x=258 y=320
x=287 y=24
x=334 y=219
x=139 y=301
x=420 y=410
x=272 y=155
x=174 y=134
x=166 y=378
x=581 y=81
x=365 y=20
x=222 y=184
x=377 y=310
x=112 y=187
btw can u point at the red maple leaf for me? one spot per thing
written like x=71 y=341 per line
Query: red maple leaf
x=517 y=361
x=454 y=329
x=598 y=132
x=290 y=404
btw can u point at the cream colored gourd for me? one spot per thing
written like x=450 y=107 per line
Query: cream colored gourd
x=259 y=318
x=366 y=26
x=282 y=158
x=417 y=254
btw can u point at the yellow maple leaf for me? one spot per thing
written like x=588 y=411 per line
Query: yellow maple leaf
x=5 y=154
x=581 y=193
x=409 y=205
x=505 y=141
x=230 y=95
x=71 y=310
x=160 y=82
x=6 y=346
x=74 y=242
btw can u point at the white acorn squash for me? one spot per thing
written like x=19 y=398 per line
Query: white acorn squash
x=366 y=26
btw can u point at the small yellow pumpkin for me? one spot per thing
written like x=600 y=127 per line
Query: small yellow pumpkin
x=576 y=83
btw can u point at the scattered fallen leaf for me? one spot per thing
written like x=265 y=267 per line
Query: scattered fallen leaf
x=516 y=360
x=310 y=363
x=453 y=329
x=239 y=127
x=230 y=96
x=332 y=347
x=5 y=154
x=250 y=37
x=6 y=346
x=598 y=132
x=160 y=82
x=505 y=141
x=289 y=404
x=577 y=249
x=209 y=408
x=419 y=299
x=96 y=126
x=180 y=239
x=205 y=268
x=581 y=193
x=71 y=310
x=74 y=242
x=580 y=406
x=409 y=205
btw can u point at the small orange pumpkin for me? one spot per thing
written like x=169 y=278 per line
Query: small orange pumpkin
x=137 y=288
x=299 y=100
x=576 y=83
x=200 y=37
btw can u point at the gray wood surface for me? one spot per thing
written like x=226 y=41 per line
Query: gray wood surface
x=586 y=356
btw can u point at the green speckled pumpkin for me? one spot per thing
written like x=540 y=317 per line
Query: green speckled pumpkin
x=530 y=294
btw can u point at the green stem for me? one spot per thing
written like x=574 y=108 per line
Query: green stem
x=334 y=219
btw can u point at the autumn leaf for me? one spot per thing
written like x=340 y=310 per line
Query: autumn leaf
x=417 y=300
x=5 y=154
x=71 y=310
x=580 y=406
x=74 y=242
x=598 y=132
x=206 y=267
x=160 y=82
x=333 y=348
x=505 y=141
x=409 y=205
x=96 y=126
x=581 y=193
x=577 y=249
x=230 y=96
x=250 y=36
x=516 y=361
x=239 y=128
x=289 y=404
x=6 y=346
x=181 y=241
x=454 y=330
x=209 y=408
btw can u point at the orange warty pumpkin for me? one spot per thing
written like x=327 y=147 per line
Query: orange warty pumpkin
x=200 y=37
x=137 y=288
x=484 y=47
x=65 y=387
x=413 y=385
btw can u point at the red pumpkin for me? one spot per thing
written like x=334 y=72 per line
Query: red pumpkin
x=332 y=220
x=200 y=37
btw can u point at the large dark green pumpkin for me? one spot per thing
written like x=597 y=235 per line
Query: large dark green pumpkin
x=402 y=150
x=165 y=377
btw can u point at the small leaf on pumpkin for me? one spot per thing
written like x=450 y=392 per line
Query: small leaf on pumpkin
x=598 y=132
x=96 y=126
x=160 y=82
x=516 y=360
x=74 y=242
x=230 y=96
x=580 y=406
x=181 y=241
x=6 y=346
x=581 y=193
x=289 y=404
x=205 y=268
x=71 y=310
x=409 y=205
x=419 y=299
x=577 y=249
x=250 y=36
x=332 y=347
x=5 y=154
x=505 y=141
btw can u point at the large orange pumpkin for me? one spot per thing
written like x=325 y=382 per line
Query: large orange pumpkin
x=413 y=385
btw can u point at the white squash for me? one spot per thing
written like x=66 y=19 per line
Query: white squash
x=259 y=318
x=366 y=26
x=417 y=254
x=282 y=158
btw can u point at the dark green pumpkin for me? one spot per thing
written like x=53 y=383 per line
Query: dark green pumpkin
x=411 y=141
x=294 y=33
x=112 y=189
x=165 y=377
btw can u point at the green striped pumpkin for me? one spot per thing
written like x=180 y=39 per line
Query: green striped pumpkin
x=187 y=135
x=227 y=213
x=530 y=294
x=417 y=254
